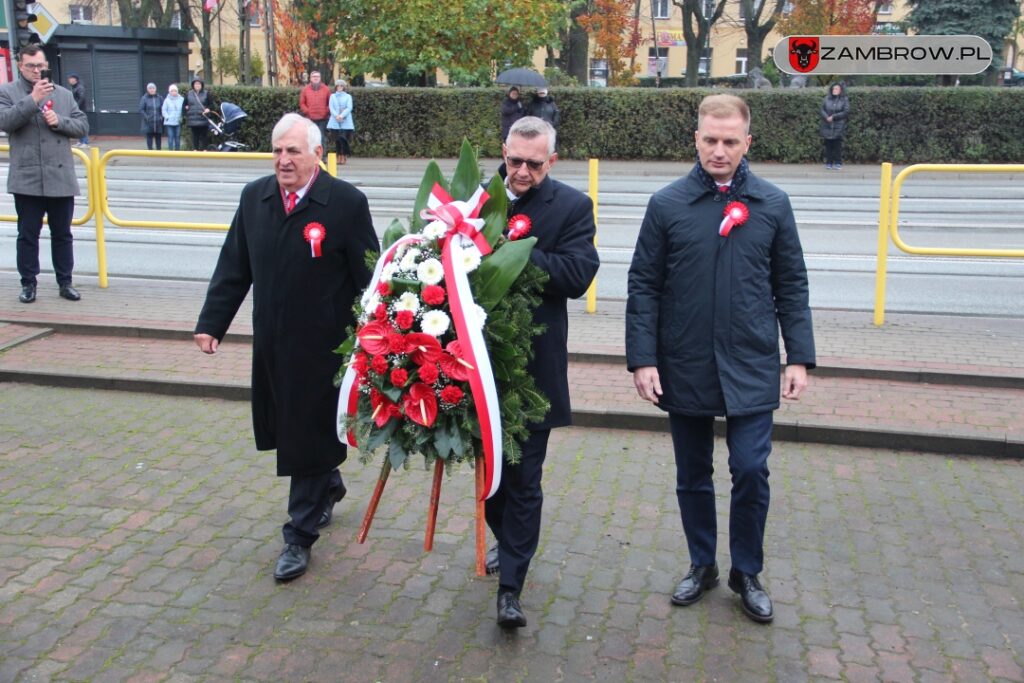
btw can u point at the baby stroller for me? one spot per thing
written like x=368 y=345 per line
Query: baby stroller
x=226 y=125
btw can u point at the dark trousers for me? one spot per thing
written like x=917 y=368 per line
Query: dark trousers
x=514 y=512
x=58 y=211
x=322 y=125
x=153 y=139
x=200 y=137
x=834 y=151
x=308 y=497
x=749 y=439
x=342 y=141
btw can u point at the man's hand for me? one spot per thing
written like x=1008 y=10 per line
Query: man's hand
x=206 y=343
x=51 y=118
x=648 y=383
x=794 y=382
x=42 y=90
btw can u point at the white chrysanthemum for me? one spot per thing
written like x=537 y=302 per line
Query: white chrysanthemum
x=470 y=258
x=409 y=260
x=435 y=323
x=435 y=229
x=408 y=302
x=430 y=271
x=388 y=271
x=480 y=315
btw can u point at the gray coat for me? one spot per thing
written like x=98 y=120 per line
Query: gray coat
x=41 y=160
x=838 y=107
x=706 y=310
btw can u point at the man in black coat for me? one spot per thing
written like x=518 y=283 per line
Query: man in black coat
x=299 y=239
x=717 y=269
x=562 y=220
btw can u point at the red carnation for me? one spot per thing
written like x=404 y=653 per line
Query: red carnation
x=379 y=364
x=399 y=377
x=396 y=343
x=360 y=362
x=451 y=394
x=381 y=314
x=383 y=288
x=404 y=319
x=433 y=295
x=429 y=373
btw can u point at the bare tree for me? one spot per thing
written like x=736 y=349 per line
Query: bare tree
x=755 y=29
x=698 y=18
x=196 y=19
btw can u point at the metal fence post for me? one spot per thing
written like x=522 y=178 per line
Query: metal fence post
x=592 y=191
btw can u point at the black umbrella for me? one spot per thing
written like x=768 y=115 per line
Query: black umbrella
x=527 y=77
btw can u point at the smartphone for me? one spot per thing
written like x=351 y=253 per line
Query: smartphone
x=45 y=74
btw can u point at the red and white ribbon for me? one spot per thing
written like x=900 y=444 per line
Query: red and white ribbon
x=463 y=228
x=315 y=233
x=736 y=213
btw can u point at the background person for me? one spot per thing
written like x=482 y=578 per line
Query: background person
x=341 y=125
x=151 y=108
x=702 y=339
x=511 y=111
x=172 y=109
x=835 y=110
x=40 y=118
x=302 y=305
x=197 y=104
x=78 y=92
x=543 y=107
x=314 y=103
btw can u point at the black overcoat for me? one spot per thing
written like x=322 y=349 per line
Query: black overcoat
x=563 y=223
x=706 y=309
x=301 y=307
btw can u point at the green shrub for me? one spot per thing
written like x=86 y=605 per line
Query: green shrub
x=901 y=125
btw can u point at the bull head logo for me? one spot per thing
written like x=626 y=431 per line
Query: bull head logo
x=803 y=53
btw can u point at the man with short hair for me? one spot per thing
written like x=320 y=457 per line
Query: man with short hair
x=717 y=270
x=299 y=238
x=314 y=102
x=78 y=91
x=40 y=119
x=563 y=223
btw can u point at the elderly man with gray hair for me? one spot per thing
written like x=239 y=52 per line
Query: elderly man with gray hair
x=299 y=240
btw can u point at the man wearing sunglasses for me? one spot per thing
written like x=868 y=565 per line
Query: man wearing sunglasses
x=562 y=220
x=41 y=119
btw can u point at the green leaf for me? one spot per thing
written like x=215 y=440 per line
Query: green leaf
x=396 y=454
x=431 y=177
x=495 y=211
x=393 y=233
x=379 y=436
x=393 y=393
x=347 y=347
x=498 y=271
x=467 y=173
x=400 y=285
x=443 y=440
x=455 y=438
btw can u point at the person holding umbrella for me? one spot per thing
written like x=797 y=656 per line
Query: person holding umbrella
x=511 y=111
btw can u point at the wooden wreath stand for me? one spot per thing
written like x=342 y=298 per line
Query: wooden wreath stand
x=435 y=499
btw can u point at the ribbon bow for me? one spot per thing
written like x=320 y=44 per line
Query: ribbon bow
x=457 y=218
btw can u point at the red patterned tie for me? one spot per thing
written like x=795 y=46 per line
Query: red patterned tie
x=289 y=201
x=723 y=188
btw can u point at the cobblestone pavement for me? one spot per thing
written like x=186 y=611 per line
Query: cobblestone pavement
x=138 y=534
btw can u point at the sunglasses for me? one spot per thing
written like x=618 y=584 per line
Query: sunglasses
x=516 y=162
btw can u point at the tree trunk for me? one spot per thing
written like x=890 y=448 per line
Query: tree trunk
x=576 y=47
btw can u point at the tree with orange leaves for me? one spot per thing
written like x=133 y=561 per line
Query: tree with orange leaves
x=830 y=17
x=616 y=36
x=305 y=40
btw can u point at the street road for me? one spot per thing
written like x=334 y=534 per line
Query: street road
x=837 y=213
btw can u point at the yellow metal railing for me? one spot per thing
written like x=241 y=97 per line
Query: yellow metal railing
x=592 y=191
x=888 y=222
x=90 y=206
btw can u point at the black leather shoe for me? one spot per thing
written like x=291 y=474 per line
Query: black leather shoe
x=292 y=563
x=328 y=514
x=491 y=562
x=70 y=293
x=756 y=603
x=692 y=587
x=28 y=294
x=510 y=614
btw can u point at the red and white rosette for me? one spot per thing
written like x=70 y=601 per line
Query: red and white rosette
x=315 y=233
x=519 y=226
x=463 y=227
x=736 y=213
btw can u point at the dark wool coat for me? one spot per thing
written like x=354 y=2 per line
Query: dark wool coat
x=563 y=223
x=706 y=309
x=195 y=102
x=839 y=109
x=511 y=111
x=151 y=108
x=545 y=108
x=301 y=307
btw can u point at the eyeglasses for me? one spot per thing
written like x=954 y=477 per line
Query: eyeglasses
x=516 y=162
x=35 y=67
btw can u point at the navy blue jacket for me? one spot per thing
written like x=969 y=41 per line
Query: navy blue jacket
x=706 y=309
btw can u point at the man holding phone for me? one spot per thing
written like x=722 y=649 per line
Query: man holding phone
x=40 y=119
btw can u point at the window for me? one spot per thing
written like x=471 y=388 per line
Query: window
x=757 y=5
x=705 y=61
x=741 y=60
x=80 y=14
x=661 y=9
x=176 y=20
x=885 y=8
x=657 y=60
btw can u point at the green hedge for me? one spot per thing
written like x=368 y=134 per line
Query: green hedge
x=901 y=125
